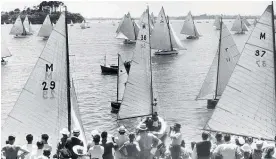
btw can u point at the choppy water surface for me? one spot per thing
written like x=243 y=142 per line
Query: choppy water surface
x=177 y=79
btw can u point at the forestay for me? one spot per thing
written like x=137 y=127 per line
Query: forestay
x=229 y=56
x=126 y=28
x=46 y=27
x=137 y=98
x=42 y=105
x=247 y=106
x=239 y=25
x=189 y=26
x=17 y=28
x=122 y=78
x=26 y=24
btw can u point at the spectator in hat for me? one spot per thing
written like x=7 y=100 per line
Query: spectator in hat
x=97 y=150
x=120 y=140
x=38 y=151
x=44 y=139
x=202 y=150
x=108 y=146
x=131 y=148
x=65 y=134
x=73 y=141
x=29 y=146
x=79 y=151
x=91 y=142
x=257 y=150
x=246 y=150
x=176 y=137
x=10 y=151
x=146 y=142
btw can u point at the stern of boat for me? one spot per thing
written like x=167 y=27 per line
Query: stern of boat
x=166 y=52
x=211 y=103
x=115 y=106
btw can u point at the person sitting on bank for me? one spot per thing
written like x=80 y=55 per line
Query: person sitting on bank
x=10 y=151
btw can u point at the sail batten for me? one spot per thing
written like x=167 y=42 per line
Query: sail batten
x=249 y=96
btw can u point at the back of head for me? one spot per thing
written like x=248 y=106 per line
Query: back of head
x=46 y=152
x=218 y=136
x=227 y=138
x=39 y=144
x=96 y=138
x=11 y=139
x=205 y=135
x=104 y=135
x=29 y=137
x=45 y=137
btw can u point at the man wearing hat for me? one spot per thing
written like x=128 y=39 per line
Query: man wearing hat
x=91 y=142
x=257 y=150
x=146 y=142
x=79 y=151
x=73 y=141
x=65 y=134
x=176 y=136
x=120 y=140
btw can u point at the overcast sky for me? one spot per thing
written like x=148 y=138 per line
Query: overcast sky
x=172 y=8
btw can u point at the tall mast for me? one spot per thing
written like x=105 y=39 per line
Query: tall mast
x=134 y=29
x=68 y=73
x=169 y=32
x=218 y=56
x=273 y=40
x=194 y=24
x=118 y=78
x=151 y=90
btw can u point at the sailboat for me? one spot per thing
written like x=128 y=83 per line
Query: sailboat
x=46 y=104
x=87 y=25
x=246 y=22
x=71 y=24
x=82 y=25
x=247 y=106
x=138 y=95
x=18 y=29
x=217 y=23
x=4 y=53
x=189 y=27
x=27 y=26
x=239 y=26
x=221 y=69
x=121 y=84
x=151 y=21
x=163 y=37
x=109 y=69
x=46 y=28
x=152 y=18
x=4 y=23
x=127 y=30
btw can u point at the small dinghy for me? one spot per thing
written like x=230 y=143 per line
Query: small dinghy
x=18 y=29
x=108 y=69
x=27 y=26
x=189 y=28
x=71 y=24
x=239 y=26
x=46 y=28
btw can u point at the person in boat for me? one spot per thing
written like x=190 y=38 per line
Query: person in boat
x=38 y=151
x=257 y=150
x=61 y=144
x=45 y=138
x=108 y=146
x=91 y=142
x=131 y=148
x=176 y=137
x=146 y=141
x=228 y=150
x=96 y=151
x=202 y=149
x=73 y=141
x=10 y=151
x=29 y=146
x=153 y=123
x=120 y=140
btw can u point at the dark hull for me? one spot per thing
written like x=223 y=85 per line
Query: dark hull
x=211 y=103
x=109 y=70
x=127 y=66
x=191 y=37
x=115 y=107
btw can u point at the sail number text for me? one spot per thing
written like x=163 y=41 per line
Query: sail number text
x=143 y=37
x=258 y=53
x=48 y=86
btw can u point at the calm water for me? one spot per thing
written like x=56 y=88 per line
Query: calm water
x=177 y=78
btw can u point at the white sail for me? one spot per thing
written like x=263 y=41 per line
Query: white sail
x=136 y=28
x=189 y=27
x=71 y=23
x=127 y=28
x=5 y=50
x=122 y=78
x=247 y=106
x=18 y=27
x=26 y=24
x=31 y=29
x=245 y=21
x=217 y=22
x=82 y=25
x=141 y=19
x=229 y=56
x=152 y=18
x=176 y=43
x=46 y=28
x=255 y=22
x=42 y=105
x=137 y=99
x=239 y=25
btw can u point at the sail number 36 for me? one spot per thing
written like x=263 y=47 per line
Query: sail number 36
x=143 y=37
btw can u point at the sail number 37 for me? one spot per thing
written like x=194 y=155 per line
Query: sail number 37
x=260 y=53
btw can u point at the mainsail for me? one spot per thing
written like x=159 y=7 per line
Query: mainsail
x=82 y=25
x=217 y=22
x=18 y=27
x=151 y=21
x=222 y=66
x=245 y=21
x=239 y=25
x=128 y=28
x=152 y=18
x=46 y=28
x=42 y=106
x=26 y=25
x=122 y=78
x=189 y=27
x=137 y=98
x=255 y=22
x=163 y=37
x=247 y=106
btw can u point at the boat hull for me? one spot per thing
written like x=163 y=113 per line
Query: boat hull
x=20 y=36
x=162 y=132
x=45 y=37
x=162 y=52
x=109 y=69
x=240 y=33
x=211 y=103
x=115 y=106
x=129 y=42
x=191 y=37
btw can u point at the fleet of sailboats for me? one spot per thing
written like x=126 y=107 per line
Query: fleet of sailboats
x=189 y=27
x=247 y=105
x=239 y=26
x=46 y=103
x=46 y=28
x=163 y=37
x=18 y=29
x=221 y=69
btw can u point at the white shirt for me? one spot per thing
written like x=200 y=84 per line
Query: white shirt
x=47 y=146
x=96 y=151
x=121 y=139
x=176 y=138
x=30 y=148
x=227 y=150
x=36 y=153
